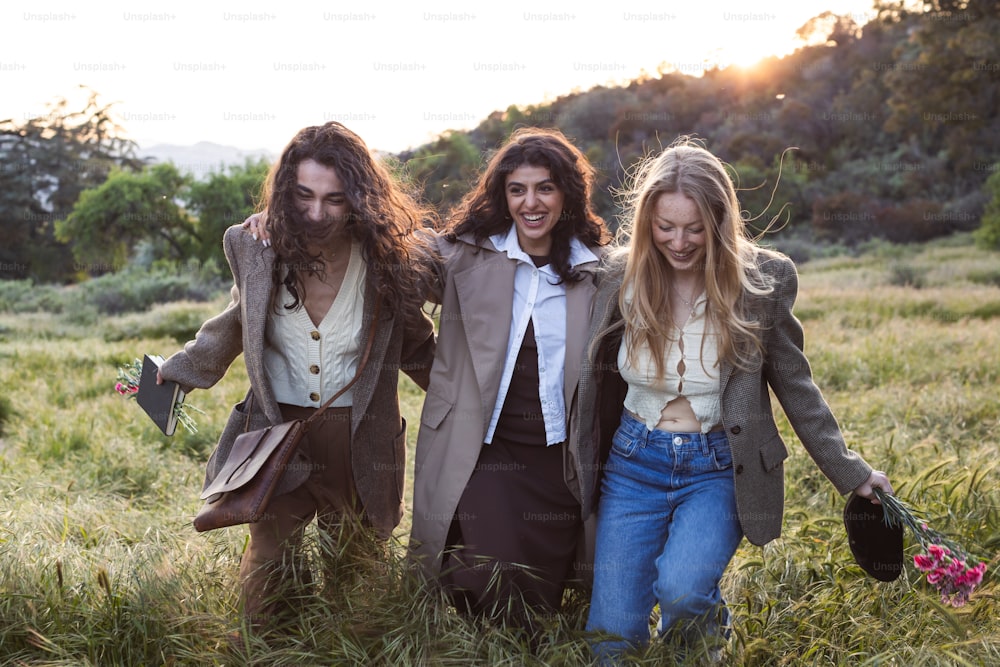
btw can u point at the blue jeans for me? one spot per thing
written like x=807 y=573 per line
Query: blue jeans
x=667 y=528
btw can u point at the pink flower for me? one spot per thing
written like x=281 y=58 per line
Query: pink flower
x=128 y=386
x=946 y=567
x=973 y=576
x=937 y=552
x=955 y=580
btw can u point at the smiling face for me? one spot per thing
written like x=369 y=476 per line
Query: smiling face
x=535 y=203
x=679 y=232
x=321 y=202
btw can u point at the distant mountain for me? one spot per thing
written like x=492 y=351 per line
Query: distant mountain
x=202 y=157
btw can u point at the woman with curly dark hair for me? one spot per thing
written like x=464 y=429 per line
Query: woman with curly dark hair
x=499 y=484
x=371 y=209
x=336 y=271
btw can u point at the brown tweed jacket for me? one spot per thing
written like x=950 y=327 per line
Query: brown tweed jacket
x=758 y=449
x=378 y=446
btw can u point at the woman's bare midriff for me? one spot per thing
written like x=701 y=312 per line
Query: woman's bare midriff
x=678 y=417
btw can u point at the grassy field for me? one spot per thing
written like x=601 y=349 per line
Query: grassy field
x=99 y=564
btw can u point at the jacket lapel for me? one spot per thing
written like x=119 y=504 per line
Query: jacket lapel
x=724 y=375
x=487 y=328
x=364 y=388
x=579 y=297
x=256 y=290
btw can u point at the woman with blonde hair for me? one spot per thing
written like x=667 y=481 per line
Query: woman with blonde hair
x=691 y=328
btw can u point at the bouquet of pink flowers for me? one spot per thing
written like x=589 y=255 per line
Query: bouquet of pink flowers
x=128 y=378
x=947 y=565
x=128 y=385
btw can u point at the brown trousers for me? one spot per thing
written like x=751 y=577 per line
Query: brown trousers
x=274 y=568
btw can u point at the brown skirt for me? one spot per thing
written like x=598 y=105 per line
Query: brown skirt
x=513 y=540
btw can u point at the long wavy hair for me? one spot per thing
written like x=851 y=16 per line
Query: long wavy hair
x=382 y=218
x=483 y=211
x=731 y=269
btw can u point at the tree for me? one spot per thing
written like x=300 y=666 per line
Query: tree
x=828 y=28
x=221 y=200
x=46 y=163
x=944 y=88
x=108 y=221
x=988 y=234
x=444 y=169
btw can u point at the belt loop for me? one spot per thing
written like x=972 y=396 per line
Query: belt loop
x=705 y=448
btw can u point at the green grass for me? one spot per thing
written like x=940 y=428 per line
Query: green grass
x=99 y=563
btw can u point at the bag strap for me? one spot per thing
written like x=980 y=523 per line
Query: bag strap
x=246 y=423
x=361 y=364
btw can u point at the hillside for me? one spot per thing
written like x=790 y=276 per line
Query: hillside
x=893 y=126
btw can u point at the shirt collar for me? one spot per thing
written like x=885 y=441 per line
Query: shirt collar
x=507 y=242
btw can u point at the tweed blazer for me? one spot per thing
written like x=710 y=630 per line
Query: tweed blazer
x=403 y=340
x=758 y=449
x=475 y=290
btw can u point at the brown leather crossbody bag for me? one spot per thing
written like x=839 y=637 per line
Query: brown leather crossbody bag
x=244 y=486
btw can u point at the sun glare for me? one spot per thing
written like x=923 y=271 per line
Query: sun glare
x=747 y=47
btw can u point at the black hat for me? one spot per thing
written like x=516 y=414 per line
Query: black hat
x=877 y=547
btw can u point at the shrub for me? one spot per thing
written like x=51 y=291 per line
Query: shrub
x=985 y=277
x=912 y=221
x=133 y=290
x=24 y=296
x=845 y=217
x=988 y=234
x=907 y=275
x=6 y=411
x=179 y=321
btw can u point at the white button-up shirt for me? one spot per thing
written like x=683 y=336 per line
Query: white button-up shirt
x=538 y=299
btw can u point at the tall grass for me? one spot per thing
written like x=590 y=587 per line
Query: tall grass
x=99 y=564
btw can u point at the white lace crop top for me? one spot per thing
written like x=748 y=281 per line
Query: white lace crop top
x=690 y=371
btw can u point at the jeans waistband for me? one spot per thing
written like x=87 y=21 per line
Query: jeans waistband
x=637 y=429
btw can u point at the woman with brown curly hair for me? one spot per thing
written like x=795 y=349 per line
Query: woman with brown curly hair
x=341 y=254
x=498 y=491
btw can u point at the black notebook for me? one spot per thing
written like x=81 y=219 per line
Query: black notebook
x=158 y=400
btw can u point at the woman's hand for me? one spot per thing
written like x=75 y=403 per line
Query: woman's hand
x=877 y=479
x=256 y=224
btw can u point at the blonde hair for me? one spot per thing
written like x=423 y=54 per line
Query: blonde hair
x=731 y=270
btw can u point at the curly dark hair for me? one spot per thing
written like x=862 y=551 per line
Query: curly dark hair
x=483 y=210
x=383 y=216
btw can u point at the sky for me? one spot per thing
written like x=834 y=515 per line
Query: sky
x=251 y=74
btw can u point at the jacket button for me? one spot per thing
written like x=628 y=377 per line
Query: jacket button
x=314 y=369
x=314 y=396
x=315 y=335
x=735 y=430
x=739 y=469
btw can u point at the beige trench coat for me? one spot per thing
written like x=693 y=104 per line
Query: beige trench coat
x=475 y=291
x=378 y=433
x=758 y=449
